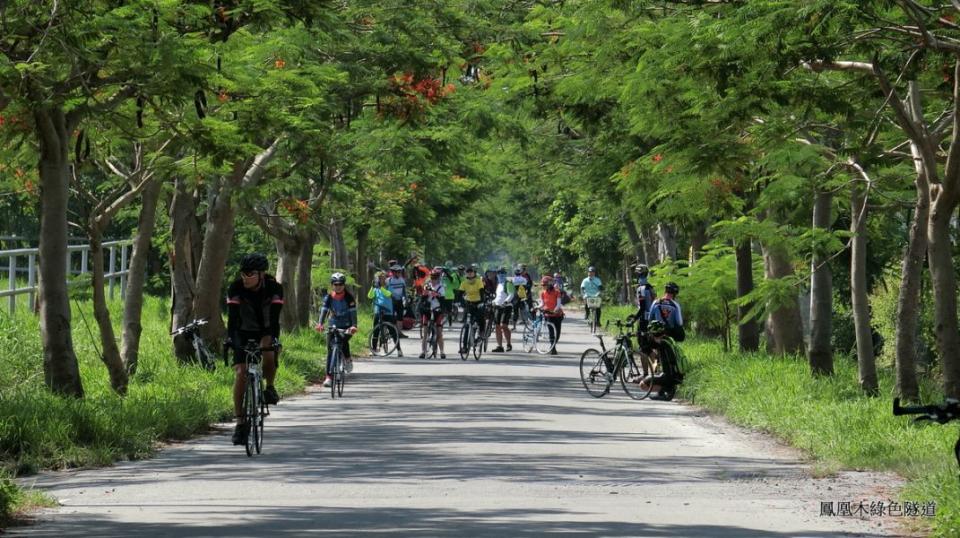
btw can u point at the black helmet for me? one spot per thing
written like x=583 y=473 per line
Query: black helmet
x=461 y=267
x=338 y=278
x=672 y=287
x=253 y=262
x=641 y=269
x=591 y=269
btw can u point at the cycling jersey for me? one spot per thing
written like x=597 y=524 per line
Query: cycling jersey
x=341 y=308
x=255 y=310
x=397 y=286
x=667 y=311
x=382 y=300
x=504 y=294
x=590 y=287
x=471 y=288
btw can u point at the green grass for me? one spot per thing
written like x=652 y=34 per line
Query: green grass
x=829 y=418
x=166 y=401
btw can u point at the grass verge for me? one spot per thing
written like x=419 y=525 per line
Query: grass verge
x=830 y=419
x=166 y=401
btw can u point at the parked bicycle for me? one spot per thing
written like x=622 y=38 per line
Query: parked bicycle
x=948 y=411
x=338 y=369
x=385 y=338
x=471 y=341
x=255 y=408
x=539 y=336
x=600 y=368
x=201 y=353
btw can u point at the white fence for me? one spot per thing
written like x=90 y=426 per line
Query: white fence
x=114 y=274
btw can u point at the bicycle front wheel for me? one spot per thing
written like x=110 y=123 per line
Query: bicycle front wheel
x=594 y=373
x=477 y=348
x=260 y=416
x=636 y=377
x=528 y=337
x=206 y=358
x=251 y=409
x=340 y=380
x=335 y=361
x=545 y=338
x=466 y=342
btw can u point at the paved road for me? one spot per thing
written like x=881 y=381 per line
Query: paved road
x=507 y=446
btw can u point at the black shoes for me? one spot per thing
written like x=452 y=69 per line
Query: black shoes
x=553 y=351
x=270 y=395
x=509 y=347
x=240 y=433
x=498 y=349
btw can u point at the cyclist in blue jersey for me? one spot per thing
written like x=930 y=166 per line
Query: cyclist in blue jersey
x=590 y=291
x=341 y=308
x=667 y=311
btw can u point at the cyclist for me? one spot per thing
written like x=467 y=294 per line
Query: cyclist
x=472 y=289
x=490 y=282
x=526 y=274
x=590 y=289
x=254 y=301
x=382 y=306
x=340 y=306
x=457 y=292
x=645 y=297
x=397 y=285
x=666 y=383
x=667 y=311
x=430 y=304
x=551 y=308
x=520 y=283
x=503 y=303
x=451 y=281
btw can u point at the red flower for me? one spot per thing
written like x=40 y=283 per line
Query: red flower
x=657 y=158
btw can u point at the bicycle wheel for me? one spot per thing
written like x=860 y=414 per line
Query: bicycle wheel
x=636 y=377
x=432 y=340
x=594 y=373
x=544 y=339
x=250 y=409
x=335 y=360
x=258 y=426
x=528 y=336
x=477 y=348
x=388 y=337
x=341 y=379
x=466 y=342
x=206 y=358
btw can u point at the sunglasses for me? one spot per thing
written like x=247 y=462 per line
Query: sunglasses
x=249 y=274
x=337 y=284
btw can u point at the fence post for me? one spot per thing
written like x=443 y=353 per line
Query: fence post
x=32 y=280
x=123 y=269
x=12 y=285
x=113 y=261
x=84 y=253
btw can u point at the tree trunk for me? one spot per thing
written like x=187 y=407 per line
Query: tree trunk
x=866 y=361
x=648 y=237
x=785 y=324
x=136 y=279
x=110 y=353
x=820 y=355
x=363 y=272
x=338 y=251
x=183 y=263
x=748 y=331
x=288 y=252
x=939 y=251
x=636 y=242
x=698 y=239
x=304 y=274
x=667 y=242
x=908 y=300
x=60 y=370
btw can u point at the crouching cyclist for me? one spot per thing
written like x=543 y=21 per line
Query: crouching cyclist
x=341 y=308
x=671 y=360
x=254 y=301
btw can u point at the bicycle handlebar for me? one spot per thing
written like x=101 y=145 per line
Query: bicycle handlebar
x=940 y=413
x=190 y=326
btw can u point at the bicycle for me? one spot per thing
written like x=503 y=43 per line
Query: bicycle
x=539 y=335
x=948 y=411
x=600 y=368
x=385 y=338
x=489 y=322
x=592 y=306
x=431 y=332
x=338 y=372
x=521 y=315
x=255 y=408
x=201 y=353
x=470 y=341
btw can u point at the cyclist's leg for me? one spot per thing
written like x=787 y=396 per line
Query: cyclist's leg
x=506 y=326
x=269 y=360
x=425 y=337
x=439 y=325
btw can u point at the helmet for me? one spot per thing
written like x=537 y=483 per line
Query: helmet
x=557 y=275
x=523 y=266
x=656 y=328
x=338 y=278
x=471 y=269
x=642 y=269
x=460 y=267
x=591 y=269
x=547 y=279
x=448 y=263
x=517 y=271
x=437 y=271
x=379 y=275
x=391 y=263
x=254 y=262
x=396 y=267
x=672 y=287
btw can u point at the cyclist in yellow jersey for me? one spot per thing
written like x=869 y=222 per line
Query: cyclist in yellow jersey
x=472 y=288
